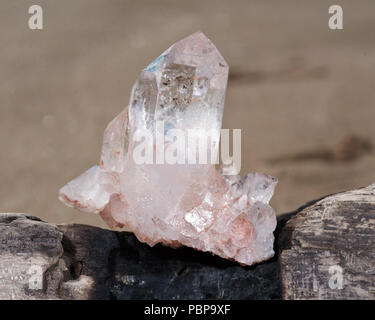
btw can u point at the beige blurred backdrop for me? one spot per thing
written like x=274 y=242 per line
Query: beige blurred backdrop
x=298 y=90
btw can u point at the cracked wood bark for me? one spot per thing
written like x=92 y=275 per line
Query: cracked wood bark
x=44 y=261
x=328 y=248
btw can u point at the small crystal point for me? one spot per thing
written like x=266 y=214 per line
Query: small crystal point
x=178 y=204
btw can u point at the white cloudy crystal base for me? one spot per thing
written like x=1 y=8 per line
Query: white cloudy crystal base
x=178 y=204
x=233 y=220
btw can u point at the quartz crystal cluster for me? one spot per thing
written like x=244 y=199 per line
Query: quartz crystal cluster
x=178 y=204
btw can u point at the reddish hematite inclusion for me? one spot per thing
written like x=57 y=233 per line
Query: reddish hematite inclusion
x=191 y=205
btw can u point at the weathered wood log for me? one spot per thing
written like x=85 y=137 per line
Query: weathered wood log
x=324 y=250
x=83 y=262
x=328 y=248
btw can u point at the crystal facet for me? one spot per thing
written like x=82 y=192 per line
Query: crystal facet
x=178 y=204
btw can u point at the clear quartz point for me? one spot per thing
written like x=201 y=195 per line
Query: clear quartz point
x=178 y=204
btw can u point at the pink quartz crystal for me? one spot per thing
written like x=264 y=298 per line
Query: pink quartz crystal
x=178 y=204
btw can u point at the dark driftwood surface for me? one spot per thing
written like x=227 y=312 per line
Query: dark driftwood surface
x=84 y=262
x=323 y=251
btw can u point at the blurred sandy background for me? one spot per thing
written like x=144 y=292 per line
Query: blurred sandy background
x=298 y=90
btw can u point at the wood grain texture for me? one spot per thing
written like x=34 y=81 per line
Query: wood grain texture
x=328 y=248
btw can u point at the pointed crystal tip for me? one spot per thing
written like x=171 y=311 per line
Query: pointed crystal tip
x=199 y=49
